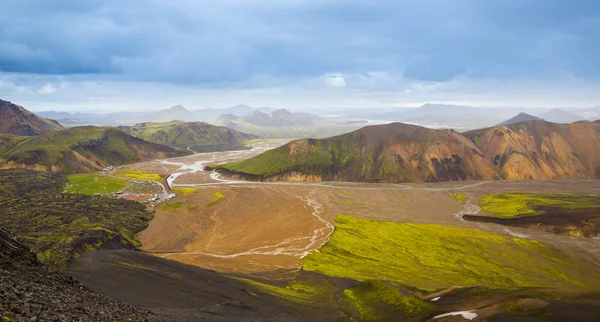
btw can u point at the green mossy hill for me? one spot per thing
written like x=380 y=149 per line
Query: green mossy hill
x=435 y=256
x=7 y=141
x=83 y=149
x=385 y=153
x=527 y=204
x=58 y=226
x=196 y=135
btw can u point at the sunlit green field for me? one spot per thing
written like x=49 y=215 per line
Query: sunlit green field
x=91 y=183
x=139 y=175
x=514 y=205
x=435 y=256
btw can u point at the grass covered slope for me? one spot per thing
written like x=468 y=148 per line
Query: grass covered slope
x=61 y=226
x=83 y=149
x=386 y=153
x=435 y=256
x=196 y=135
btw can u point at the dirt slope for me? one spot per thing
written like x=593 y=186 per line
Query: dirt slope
x=15 y=119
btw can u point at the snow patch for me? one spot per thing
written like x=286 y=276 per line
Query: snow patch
x=469 y=315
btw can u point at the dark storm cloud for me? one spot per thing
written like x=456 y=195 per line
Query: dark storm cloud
x=233 y=41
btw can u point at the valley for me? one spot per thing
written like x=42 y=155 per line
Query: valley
x=297 y=242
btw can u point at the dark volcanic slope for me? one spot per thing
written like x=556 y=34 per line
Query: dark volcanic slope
x=82 y=149
x=29 y=291
x=385 y=153
x=15 y=119
x=542 y=150
x=176 y=291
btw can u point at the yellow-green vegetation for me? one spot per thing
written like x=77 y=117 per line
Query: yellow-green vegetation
x=460 y=197
x=170 y=206
x=91 y=183
x=139 y=175
x=137 y=266
x=436 y=256
x=184 y=191
x=378 y=301
x=218 y=197
x=525 y=204
x=58 y=226
x=357 y=301
x=315 y=292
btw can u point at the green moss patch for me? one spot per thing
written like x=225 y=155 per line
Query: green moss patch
x=218 y=197
x=460 y=197
x=91 y=183
x=139 y=175
x=435 y=256
x=514 y=205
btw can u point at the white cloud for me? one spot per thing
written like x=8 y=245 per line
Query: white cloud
x=47 y=89
x=335 y=80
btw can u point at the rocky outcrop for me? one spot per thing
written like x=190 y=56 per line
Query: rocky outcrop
x=30 y=291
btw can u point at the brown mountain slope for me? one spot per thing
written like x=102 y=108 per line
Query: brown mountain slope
x=385 y=153
x=15 y=119
x=401 y=153
x=542 y=150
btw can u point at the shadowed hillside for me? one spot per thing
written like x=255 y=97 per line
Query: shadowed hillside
x=406 y=153
x=15 y=119
x=196 y=135
x=82 y=149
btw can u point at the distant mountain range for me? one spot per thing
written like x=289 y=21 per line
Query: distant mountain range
x=197 y=136
x=177 y=112
x=400 y=152
x=15 y=119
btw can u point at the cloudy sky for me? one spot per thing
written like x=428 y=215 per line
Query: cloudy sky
x=300 y=54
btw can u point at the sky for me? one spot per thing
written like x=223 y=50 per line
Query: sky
x=114 y=55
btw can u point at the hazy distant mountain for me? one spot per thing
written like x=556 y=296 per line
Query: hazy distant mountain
x=177 y=112
x=15 y=119
x=521 y=117
x=451 y=116
x=278 y=118
x=106 y=119
x=561 y=116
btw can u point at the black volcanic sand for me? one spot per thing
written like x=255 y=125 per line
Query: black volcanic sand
x=179 y=292
x=176 y=291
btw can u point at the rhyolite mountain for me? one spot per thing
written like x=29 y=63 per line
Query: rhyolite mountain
x=15 y=119
x=193 y=135
x=80 y=149
x=400 y=152
x=542 y=150
x=521 y=117
x=385 y=153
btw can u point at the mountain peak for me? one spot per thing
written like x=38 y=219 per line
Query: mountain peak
x=17 y=120
x=178 y=108
x=521 y=117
